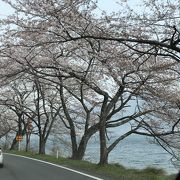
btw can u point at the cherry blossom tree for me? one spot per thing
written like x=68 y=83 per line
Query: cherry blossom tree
x=13 y=97
x=107 y=64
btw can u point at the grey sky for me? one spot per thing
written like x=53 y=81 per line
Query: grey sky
x=106 y=5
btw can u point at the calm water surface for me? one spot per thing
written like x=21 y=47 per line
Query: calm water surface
x=135 y=152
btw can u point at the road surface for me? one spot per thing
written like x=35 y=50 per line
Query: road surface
x=19 y=168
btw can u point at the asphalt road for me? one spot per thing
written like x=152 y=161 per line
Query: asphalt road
x=18 y=168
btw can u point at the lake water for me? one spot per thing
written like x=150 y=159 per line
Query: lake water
x=135 y=152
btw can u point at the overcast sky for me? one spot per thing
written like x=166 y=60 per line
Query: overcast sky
x=106 y=5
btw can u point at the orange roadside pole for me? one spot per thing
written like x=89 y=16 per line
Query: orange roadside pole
x=19 y=138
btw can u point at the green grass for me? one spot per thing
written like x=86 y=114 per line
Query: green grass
x=110 y=172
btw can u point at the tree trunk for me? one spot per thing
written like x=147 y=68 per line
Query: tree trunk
x=42 y=145
x=103 y=148
x=42 y=148
x=74 y=143
x=103 y=158
x=79 y=154
x=14 y=145
x=27 y=142
x=82 y=148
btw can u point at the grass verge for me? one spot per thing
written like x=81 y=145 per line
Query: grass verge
x=108 y=172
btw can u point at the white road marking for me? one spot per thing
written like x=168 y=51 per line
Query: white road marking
x=72 y=170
